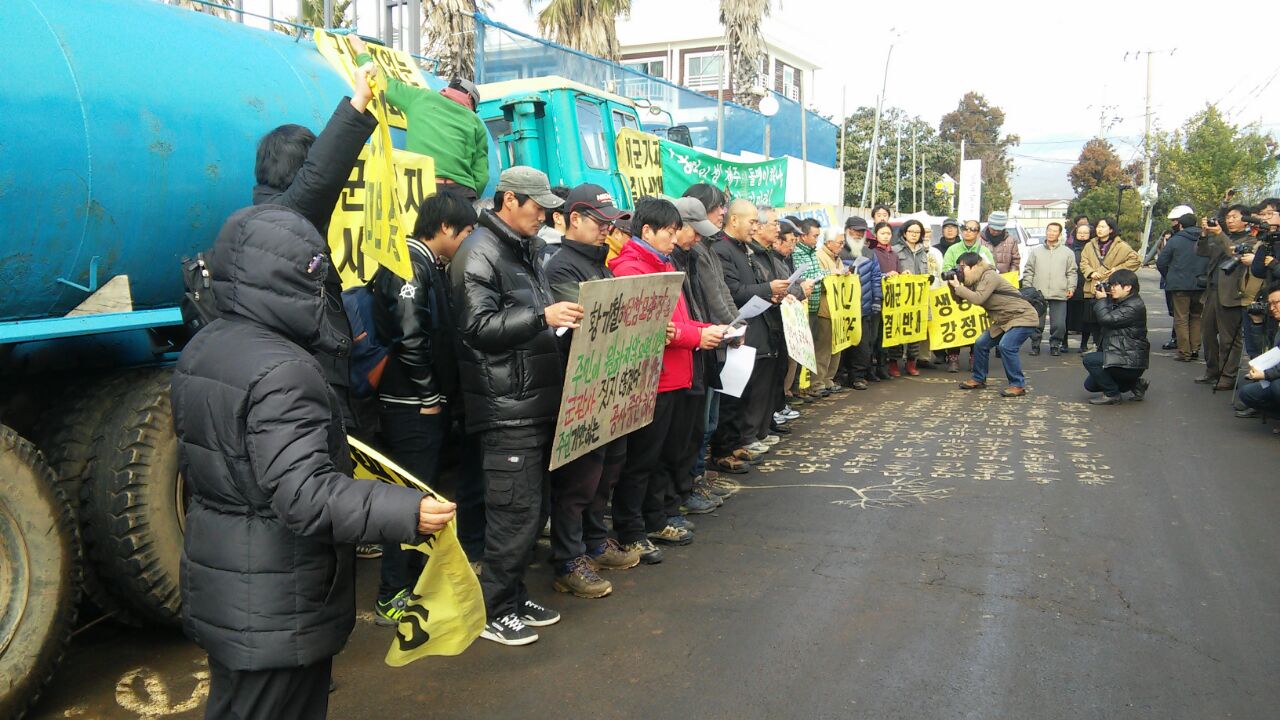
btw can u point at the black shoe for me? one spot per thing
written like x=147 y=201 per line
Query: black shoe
x=1055 y=351
x=859 y=384
x=1140 y=391
x=778 y=429
x=1205 y=379
x=882 y=372
x=873 y=377
x=509 y=630
x=1105 y=400
x=1247 y=413
x=535 y=615
x=1171 y=345
x=1035 y=350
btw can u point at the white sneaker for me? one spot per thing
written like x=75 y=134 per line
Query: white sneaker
x=771 y=440
x=758 y=448
x=789 y=412
x=780 y=419
x=509 y=630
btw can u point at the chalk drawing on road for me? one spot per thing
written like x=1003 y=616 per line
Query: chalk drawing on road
x=901 y=492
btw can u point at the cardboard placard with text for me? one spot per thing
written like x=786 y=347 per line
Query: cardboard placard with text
x=844 y=298
x=954 y=322
x=795 y=327
x=904 y=309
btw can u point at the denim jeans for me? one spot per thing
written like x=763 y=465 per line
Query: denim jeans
x=1265 y=399
x=414 y=441
x=711 y=418
x=1010 y=344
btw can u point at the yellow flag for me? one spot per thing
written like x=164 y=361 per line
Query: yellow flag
x=446 y=612
x=384 y=234
x=844 y=300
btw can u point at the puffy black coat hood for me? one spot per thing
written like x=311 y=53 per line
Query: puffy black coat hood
x=269 y=266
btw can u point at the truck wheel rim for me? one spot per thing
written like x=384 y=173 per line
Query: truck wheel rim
x=15 y=576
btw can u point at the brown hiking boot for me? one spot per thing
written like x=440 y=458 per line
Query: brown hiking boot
x=582 y=580
x=612 y=556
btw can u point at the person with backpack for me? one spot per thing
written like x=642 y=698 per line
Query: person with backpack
x=1013 y=320
x=413 y=324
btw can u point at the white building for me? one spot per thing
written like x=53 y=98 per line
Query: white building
x=1033 y=213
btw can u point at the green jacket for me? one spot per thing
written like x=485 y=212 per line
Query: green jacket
x=958 y=249
x=452 y=135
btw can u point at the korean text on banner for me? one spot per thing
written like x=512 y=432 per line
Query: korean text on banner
x=395 y=63
x=905 y=308
x=954 y=322
x=415 y=178
x=844 y=298
x=763 y=183
x=795 y=327
x=384 y=233
x=611 y=383
x=446 y=612
x=640 y=162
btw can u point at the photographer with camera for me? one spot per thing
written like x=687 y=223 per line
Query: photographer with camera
x=1123 y=350
x=1229 y=254
x=1267 y=219
x=1013 y=320
x=1263 y=393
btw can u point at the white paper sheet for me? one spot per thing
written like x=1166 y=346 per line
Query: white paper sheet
x=1266 y=360
x=795 y=277
x=738 y=363
x=734 y=332
x=754 y=307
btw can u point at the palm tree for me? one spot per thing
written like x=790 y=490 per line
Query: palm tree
x=586 y=25
x=449 y=34
x=741 y=20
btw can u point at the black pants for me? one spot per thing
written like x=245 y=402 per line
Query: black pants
x=777 y=395
x=301 y=693
x=471 y=520
x=683 y=444
x=737 y=425
x=579 y=495
x=514 y=463
x=861 y=355
x=414 y=441
x=1108 y=380
x=640 y=499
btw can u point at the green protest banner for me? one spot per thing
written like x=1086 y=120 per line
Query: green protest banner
x=763 y=183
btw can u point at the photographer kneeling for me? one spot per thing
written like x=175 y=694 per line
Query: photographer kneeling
x=1013 y=320
x=1263 y=394
x=1123 y=351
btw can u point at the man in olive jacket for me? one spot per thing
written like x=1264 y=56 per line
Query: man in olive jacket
x=1124 y=351
x=1051 y=269
x=268 y=582
x=1013 y=320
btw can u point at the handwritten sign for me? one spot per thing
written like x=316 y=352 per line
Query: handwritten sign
x=954 y=322
x=383 y=225
x=843 y=295
x=906 y=301
x=393 y=63
x=640 y=162
x=415 y=179
x=763 y=183
x=795 y=327
x=611 y=383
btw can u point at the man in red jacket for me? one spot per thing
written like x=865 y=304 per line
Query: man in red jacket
x=654 y=451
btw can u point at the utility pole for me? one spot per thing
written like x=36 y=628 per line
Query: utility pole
x=915 y=169
x=872 y=164
x=1148 y=197
x=844 y=124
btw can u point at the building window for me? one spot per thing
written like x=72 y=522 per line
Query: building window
x=591 y=131
x=656 y=67
x=791 y=82
x=704 y=71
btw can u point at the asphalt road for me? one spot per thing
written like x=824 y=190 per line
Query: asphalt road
x=911 y=551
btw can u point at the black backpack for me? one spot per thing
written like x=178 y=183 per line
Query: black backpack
x=1033 y=296
x=197 y=306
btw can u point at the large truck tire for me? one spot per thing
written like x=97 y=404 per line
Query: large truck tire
x=133 y=505
x=69 y=434
x=39 y=574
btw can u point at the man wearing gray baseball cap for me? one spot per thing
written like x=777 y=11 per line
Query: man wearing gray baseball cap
x=511 y=376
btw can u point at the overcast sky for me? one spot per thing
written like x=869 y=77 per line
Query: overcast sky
x=1053 y=68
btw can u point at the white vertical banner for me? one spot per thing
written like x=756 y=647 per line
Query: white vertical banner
x=970 y=200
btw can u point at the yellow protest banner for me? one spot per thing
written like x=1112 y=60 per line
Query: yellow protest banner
x=446 y=611
x=954 y=322
x=906 y=300
x=640 y=162
x=844 y=298
x=394 y=63
x=384 y=234
x=415 y=180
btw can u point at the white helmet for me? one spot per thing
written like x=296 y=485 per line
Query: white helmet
x=1181 y=210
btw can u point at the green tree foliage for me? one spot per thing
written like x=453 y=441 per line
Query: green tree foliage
x=1198 y=163
x=1102 y=200
x=981 y=124
x=586 y=25
x=936 y=157
x=1098 y=166
x=741 y=20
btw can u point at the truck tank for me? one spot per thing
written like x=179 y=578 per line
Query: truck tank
x=128 y=131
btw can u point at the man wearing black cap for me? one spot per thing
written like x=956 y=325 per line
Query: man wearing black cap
x=580 y=490
x=443 y=125
x=950 y=235
x=511 y=372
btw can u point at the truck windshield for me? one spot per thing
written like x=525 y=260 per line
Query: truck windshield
x=591 y=131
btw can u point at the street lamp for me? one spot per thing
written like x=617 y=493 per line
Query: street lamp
x=768 y=107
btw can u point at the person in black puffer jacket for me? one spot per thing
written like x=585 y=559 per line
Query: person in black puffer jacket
x=1124 y=350
x=512 y=374
x=268 y=583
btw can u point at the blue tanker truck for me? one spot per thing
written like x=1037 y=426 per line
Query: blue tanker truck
x=127 y=135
